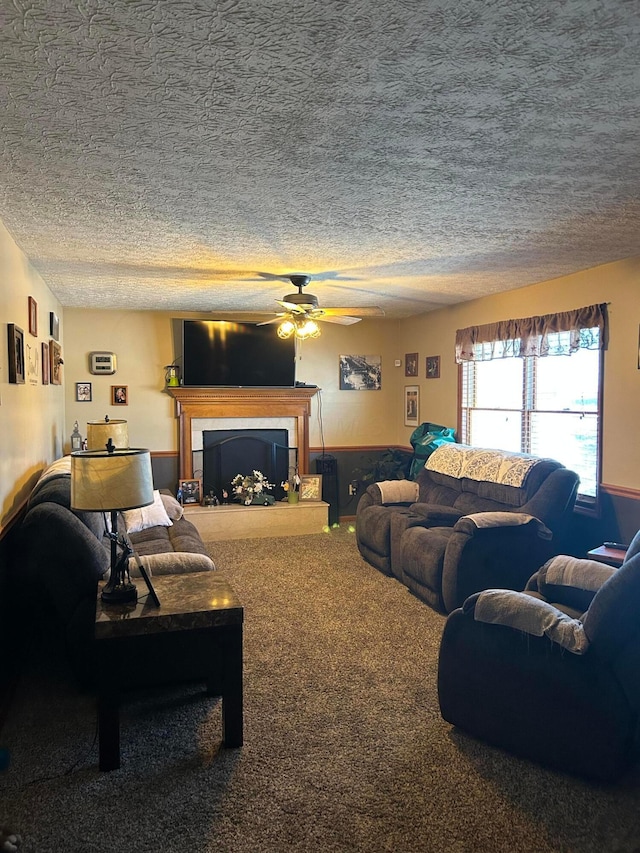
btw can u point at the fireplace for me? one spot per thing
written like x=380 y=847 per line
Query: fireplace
x=200 y=409
x=227 y=452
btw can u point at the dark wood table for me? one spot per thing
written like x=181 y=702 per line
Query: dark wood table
x=195 y=634
x=610 y=556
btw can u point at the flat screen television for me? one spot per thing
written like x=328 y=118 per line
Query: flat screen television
x=236 y=355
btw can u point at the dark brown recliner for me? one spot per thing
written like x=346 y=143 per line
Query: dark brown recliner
x=449 y=535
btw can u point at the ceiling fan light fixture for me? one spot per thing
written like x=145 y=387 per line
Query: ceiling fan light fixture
x=307 y=329
x=286 y=329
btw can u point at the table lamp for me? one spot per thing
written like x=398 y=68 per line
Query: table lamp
x=99 y=433
x=113 y=480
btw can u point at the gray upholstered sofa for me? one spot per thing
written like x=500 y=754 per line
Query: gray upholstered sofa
x=64 y=554
x=474 y=518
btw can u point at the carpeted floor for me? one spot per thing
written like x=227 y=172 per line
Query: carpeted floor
x=344 y=749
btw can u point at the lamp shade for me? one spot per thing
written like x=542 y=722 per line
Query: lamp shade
x=103 y=482
x=99 y=433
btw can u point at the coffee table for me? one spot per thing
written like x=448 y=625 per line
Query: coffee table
x=195 y=634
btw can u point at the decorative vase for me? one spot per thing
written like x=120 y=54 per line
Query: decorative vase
x=292 y=496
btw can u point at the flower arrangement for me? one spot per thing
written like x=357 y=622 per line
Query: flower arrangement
x=248 y=487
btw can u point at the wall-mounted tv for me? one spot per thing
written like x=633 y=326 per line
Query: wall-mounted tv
x=236 y=355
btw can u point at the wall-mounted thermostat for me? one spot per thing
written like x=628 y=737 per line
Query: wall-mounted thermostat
x=102 y=362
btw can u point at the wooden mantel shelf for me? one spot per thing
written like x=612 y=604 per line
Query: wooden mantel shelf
x=242 y=403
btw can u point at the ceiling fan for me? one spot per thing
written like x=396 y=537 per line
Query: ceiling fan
x=302 y=310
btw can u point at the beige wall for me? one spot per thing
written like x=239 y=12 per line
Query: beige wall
x=31 y=415
x=617 y=284
x=143 y=345
x=36 y=420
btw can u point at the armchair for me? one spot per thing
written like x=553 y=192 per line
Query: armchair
x=551 y=673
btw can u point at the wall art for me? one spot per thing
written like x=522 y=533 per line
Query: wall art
x=83 y=392
x=119 y=395
x=411 y=405
x=54 y=326
x=360 y=372
x=433 y=367
x=33 y=317
x=55 y=362
x=411 y=364
x=45 y=363
x=15 y=337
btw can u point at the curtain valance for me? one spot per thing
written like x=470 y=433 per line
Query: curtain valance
x=550 y=334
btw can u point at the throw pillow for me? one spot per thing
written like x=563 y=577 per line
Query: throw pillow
x=173 y=508
x=154 y=515
x=172 y=563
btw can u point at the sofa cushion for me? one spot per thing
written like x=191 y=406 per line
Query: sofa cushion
x=181 y=536
x=174 y=563
x=141 y=518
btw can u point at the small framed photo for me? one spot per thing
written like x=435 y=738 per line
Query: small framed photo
x=311 y=487
x=15 y=337
x=45 y=363
x=190 y=491
x=119 y=395
x=55 y=362
x=411 y=364
x=33 y=317
x=433 y=367
x=54 y=326
x=83 y=392
x=411 y=405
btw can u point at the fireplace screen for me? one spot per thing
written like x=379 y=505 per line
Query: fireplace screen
x=230 y=452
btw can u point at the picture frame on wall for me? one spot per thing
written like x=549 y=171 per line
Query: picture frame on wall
x=54 y=326
x=310 y=487
x=119 y=395
x=360 y=372
x=411 y=405
x=45 y=363
x=411 y=364
x=55 y=362
x=83 y=392
x=15 y=338
x=33 y=317
x=433 y=367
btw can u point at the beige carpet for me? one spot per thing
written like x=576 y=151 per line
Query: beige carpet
x=344 y=750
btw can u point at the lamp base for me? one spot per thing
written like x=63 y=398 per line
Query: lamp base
x=120 y=593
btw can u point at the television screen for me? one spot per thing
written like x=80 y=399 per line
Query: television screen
x=219 y=353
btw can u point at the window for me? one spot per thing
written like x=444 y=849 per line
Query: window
x=546 y=404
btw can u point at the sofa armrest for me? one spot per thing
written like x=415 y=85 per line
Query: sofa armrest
x=480 y=520
x=436 y=515
x=389 y=492
x=531 y=615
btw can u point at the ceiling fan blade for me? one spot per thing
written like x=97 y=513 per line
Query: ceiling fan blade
x=276 y=319
x=369 y=311
x=289 y=306
x=341 y=320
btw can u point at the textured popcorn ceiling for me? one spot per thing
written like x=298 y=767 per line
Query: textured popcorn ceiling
x=167 y=154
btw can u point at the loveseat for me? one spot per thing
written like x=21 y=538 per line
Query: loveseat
x=474 y=518
x=64 y=554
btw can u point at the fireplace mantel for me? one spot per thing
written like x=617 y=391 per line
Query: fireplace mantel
x=241 y=403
